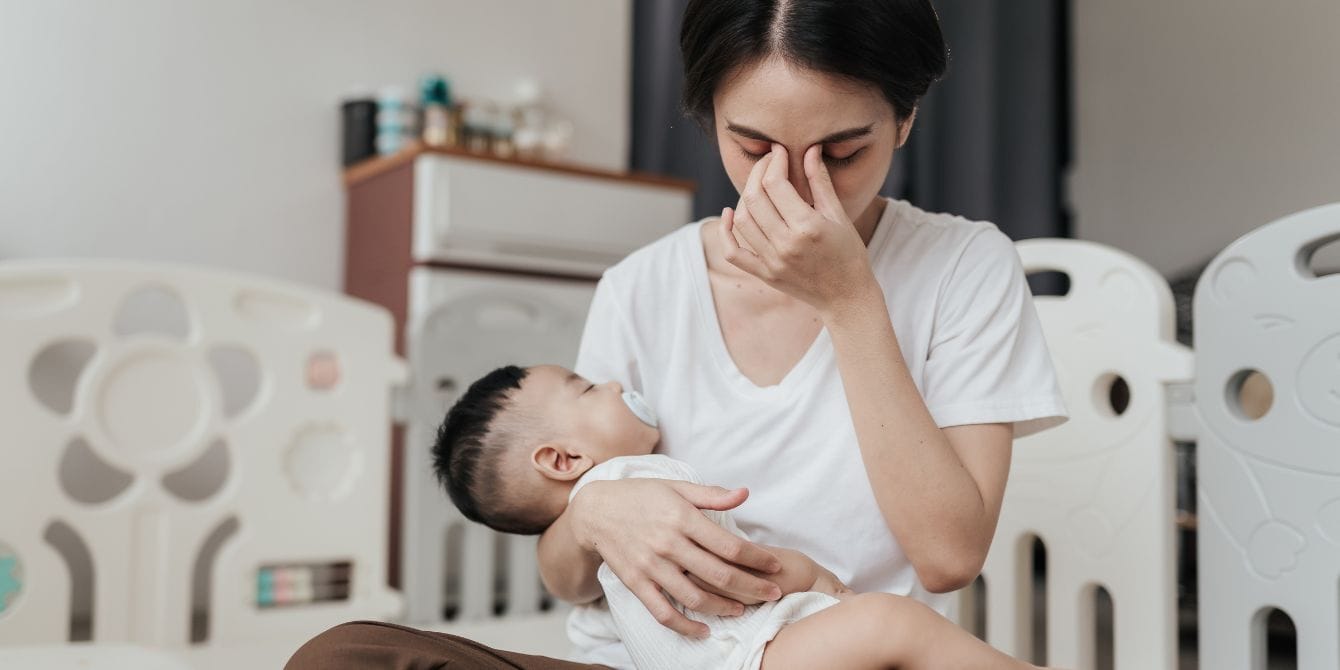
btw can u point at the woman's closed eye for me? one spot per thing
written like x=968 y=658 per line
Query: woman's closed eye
x=839 y=161
x=751 y=155
x=831 y=160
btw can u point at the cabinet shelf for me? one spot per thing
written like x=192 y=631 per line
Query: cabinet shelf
x=372 y=167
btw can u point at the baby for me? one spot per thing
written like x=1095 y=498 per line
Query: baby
x=520 y=443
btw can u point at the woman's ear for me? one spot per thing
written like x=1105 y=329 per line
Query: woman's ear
x=905 y=128
x=556 y=462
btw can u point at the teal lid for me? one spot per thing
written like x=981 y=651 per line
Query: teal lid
x=433 y=90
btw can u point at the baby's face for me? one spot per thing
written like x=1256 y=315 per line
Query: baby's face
x=590 y=417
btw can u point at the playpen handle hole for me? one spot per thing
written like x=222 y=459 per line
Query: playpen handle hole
x=1321 y=258
x=1250 y=394
x=1052 y=283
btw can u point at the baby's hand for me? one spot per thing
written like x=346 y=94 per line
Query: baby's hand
x=827 y=582
x=800 y=573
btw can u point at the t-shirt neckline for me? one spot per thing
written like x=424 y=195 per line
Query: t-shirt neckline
x=710 y=327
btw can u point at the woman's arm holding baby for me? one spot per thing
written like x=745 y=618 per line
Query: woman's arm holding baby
x=653 y=536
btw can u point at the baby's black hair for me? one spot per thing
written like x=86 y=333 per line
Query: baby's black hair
x=468 y=452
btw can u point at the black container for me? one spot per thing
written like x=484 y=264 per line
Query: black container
x=358 y=125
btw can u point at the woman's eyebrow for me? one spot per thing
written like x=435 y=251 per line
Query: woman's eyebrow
x=832 y=138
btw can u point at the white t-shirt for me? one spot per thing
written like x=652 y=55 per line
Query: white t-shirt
x=960 y=305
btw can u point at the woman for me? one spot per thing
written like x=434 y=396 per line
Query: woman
x=860 y=365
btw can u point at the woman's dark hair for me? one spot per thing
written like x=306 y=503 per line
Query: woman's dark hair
x=894 y=45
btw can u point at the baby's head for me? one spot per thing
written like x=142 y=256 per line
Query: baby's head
x=511 y=449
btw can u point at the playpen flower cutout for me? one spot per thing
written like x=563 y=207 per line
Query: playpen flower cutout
x=153 y=399
x=158 y=398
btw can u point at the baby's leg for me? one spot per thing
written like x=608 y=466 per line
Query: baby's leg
x=877 y=631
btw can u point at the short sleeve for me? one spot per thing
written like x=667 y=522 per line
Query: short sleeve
x=988 y=360
x=608 y=351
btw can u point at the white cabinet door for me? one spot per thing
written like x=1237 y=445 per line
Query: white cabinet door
x=489 y=214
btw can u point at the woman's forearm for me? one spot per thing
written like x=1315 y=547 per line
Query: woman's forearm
x=568 y=570
x=927 y=497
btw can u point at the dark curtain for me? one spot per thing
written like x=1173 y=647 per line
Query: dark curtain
x=990 y=141
x=663 y=140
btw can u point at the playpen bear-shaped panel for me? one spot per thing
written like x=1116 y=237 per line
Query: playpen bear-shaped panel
x=1097 y=490
x=167 y=420
x=1269 y=488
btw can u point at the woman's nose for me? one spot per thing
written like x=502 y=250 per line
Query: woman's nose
x=796 y=173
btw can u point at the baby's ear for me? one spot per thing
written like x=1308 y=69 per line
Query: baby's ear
x=556 y=462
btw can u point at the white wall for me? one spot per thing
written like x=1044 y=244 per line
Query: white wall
x=1199 y=120
x=208 y=132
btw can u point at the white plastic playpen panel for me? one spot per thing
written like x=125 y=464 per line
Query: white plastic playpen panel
x=1098 y=491
x=179 y=426
x=1269 y=494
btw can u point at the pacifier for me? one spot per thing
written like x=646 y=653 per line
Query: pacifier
x=639 y=407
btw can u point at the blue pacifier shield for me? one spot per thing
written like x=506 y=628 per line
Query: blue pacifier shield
x=640 y=407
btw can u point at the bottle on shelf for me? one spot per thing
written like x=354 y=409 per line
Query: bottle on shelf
x=394 y=120
x=528 y=120
x=435 y=98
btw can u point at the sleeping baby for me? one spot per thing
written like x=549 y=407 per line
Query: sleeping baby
x=520 y=443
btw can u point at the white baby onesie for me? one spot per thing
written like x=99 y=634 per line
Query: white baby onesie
x=735 y=643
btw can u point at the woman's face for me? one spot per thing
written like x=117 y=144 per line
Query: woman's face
x=773 y=101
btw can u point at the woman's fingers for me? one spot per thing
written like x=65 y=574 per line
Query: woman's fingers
x=745 y=223
x=735 y=254
x=710 y=497
x=755 y=198
x=678 y=586
x=821 y=185
x=732 y=548
x=752 y=236
x=743 y=601
x=660 y=608
x=777 y=184
x=725 y=576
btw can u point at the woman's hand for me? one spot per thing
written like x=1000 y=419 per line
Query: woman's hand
x=654 y=537
x=813 y=253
